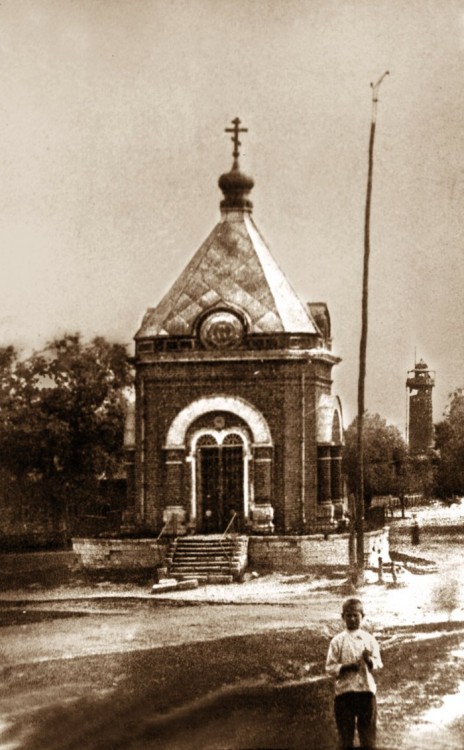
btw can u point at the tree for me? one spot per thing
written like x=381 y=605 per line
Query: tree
x=384 y=454
x=446 y=595
x=417 y=475
x=62 y=413
x=450 y=446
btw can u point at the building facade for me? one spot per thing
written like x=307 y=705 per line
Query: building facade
x=235 y=425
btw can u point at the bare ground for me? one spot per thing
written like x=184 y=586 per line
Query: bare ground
x=125 y=670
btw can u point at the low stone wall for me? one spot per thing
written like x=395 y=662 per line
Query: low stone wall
x=123 y=558
x=314 y=553
x=119 y=554
x=265 y=553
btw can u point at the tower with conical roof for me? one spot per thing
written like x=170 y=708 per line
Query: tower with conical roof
x=234 y=413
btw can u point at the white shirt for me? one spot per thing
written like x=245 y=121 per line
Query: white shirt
x=346 y=648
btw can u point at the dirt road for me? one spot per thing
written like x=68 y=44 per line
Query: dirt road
x=98 y=672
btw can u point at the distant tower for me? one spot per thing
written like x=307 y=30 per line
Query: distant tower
x=420 y=428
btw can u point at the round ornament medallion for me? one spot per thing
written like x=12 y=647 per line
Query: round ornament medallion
x=221 y=330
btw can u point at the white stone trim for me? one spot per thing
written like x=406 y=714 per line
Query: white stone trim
x=234 y=404
x=220 y=436
x=327 y=406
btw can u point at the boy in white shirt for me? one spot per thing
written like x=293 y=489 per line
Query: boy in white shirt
x=352 y=657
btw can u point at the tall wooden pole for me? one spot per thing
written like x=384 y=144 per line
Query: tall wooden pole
x=359 y=516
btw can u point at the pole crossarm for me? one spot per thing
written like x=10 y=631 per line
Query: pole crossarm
x=375 y=94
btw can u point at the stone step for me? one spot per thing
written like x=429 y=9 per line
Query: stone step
x=206 y=552
x=193 y=541
x=213 y=538
x=183 y=561
x=176 y=569
x=185 y=575
x=208 y=557
x=205 y=556
x=202 y=546
x=165 y=587
x=186 y=540
x=202 y=578
x=220 y=579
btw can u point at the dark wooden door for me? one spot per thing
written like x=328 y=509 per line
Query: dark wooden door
x=220 y=487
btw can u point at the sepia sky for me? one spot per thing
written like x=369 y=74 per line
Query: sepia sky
x=112 y=120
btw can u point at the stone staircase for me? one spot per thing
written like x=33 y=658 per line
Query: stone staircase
x=209 y=559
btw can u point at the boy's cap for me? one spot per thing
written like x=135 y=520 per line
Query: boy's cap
x=352 y=603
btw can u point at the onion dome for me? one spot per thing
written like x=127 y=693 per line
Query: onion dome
x=234 y=184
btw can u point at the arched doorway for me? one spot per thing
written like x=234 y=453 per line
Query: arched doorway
x=219 y=454
x=220 y=467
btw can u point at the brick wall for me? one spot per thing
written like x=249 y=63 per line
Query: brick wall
x=315 y=552
x=265 y=553
x=285 y=391
x=117 y=554
x=276 y=553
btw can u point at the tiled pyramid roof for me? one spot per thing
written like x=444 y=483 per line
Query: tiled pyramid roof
x=232 y=267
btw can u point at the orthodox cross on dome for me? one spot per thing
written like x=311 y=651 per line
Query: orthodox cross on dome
x=235 y=185
x=236 y=130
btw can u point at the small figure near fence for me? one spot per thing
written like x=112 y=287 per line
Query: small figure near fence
x=380 y=568
x=352 y=657
x=415 y=532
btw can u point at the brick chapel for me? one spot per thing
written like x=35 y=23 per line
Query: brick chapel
x=235 y=425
